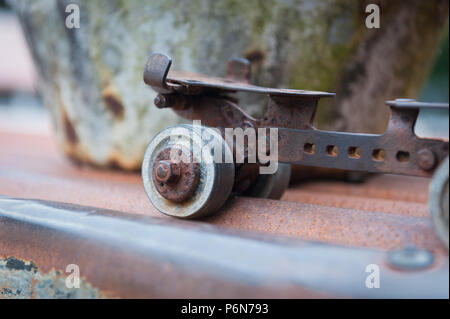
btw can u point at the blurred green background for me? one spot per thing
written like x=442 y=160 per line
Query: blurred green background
x=436 y=87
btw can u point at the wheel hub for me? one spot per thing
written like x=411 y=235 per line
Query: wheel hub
x=175 y=175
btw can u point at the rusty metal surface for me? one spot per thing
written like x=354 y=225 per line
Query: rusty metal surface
x=121 y=255
x=380 y=213
x=157 y=75
x=195 y=97
x=139 y=256
x=175 y=181
x=398 y=150
x=399 y=145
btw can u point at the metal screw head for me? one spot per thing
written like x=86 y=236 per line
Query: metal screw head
x=166 y=172
x=426 y=159
x=410 y=258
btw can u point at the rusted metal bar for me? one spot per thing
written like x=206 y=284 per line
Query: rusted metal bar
x=123 y=255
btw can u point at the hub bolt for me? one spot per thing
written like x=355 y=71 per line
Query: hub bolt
x=175 y=180
x=167 y=172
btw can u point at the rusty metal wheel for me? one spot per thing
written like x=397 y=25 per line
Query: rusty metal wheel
x=185 y=172
x=271 y=185
x=438 y=200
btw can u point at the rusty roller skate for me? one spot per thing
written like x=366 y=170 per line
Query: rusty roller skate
x=194 y=188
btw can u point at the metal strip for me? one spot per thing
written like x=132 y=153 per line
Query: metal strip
x=135 y=256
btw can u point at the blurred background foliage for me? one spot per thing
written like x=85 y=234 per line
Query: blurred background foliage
x=436 y=87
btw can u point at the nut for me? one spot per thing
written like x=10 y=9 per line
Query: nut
x=174 y=180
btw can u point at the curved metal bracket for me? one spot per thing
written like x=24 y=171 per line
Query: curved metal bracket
x=156 y=70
